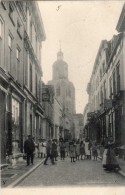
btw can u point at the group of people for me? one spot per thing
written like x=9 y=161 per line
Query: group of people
x=75 y=149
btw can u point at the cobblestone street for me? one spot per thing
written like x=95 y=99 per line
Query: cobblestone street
x=64 y=173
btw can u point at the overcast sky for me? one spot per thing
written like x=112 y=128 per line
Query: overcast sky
x=80 y=26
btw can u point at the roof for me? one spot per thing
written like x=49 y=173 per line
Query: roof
x=121 y=22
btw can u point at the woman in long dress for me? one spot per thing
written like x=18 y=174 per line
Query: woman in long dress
x=82 y=150
x=87 y=149
x=72 y=151
x=109 y=161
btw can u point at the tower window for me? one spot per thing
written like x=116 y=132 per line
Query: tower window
x=58 y=91
x=69 y=93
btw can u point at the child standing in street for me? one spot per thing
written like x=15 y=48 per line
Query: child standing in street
x=94 y=151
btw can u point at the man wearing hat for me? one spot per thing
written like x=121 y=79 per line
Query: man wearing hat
x=29 y=148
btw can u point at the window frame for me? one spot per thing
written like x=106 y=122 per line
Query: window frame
x=11 y=12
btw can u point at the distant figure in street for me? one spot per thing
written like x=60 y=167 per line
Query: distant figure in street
x=54 y=150
x=40 y=148
x=62 y=150
x=82 y=150
x=29 y=148
x=87 y=148
x=49 y=153
x=94 y=151
x=67 y=148
x=77 y=150
x=44 y=148
x=72 y=151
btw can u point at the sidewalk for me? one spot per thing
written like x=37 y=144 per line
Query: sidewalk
x=11 y=176
x=121 y=163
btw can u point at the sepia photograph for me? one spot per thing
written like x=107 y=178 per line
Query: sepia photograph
x=62 y=97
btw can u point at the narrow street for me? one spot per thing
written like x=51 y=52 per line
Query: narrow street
x=64 y=173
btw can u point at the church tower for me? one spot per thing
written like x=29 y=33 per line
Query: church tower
x=64 y=89
x=60 y=68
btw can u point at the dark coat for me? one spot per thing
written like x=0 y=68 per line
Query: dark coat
x=54 y=150
x=29 y=146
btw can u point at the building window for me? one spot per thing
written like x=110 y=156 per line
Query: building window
x=10 y=40
x=110 y=87
x=3 y=4
x=58 y=91
x=36 y=86
x=101 y=96
x=11 y=13
x=19 y=29
x=1 y=40
x=103 y=67
x=18 y=62
x=118 y=78
x=100 y=74
x=114 y=84
x=31 y=31
x=104 y=89
x=69 y=92
x=30 y=78
x=1 y=26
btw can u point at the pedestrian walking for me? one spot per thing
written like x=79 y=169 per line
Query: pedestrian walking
x=94 y=151
x=29 y=148
x=54 y=150
x=62 y=150
x=77 y=150
x=40 y=151
x=82 y=150
x=72 y=151
x=109 y=161
x=49 y=153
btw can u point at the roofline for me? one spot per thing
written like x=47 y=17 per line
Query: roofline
x=40 y=20
x=121 y=20
x=97 y=55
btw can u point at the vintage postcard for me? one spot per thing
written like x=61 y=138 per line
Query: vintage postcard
x=62 y=97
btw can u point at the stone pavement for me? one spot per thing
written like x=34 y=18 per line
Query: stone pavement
x=11 y=176
x=121 y=163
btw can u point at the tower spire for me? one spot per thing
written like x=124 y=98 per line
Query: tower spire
x=60 y=53
x=60 y=44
